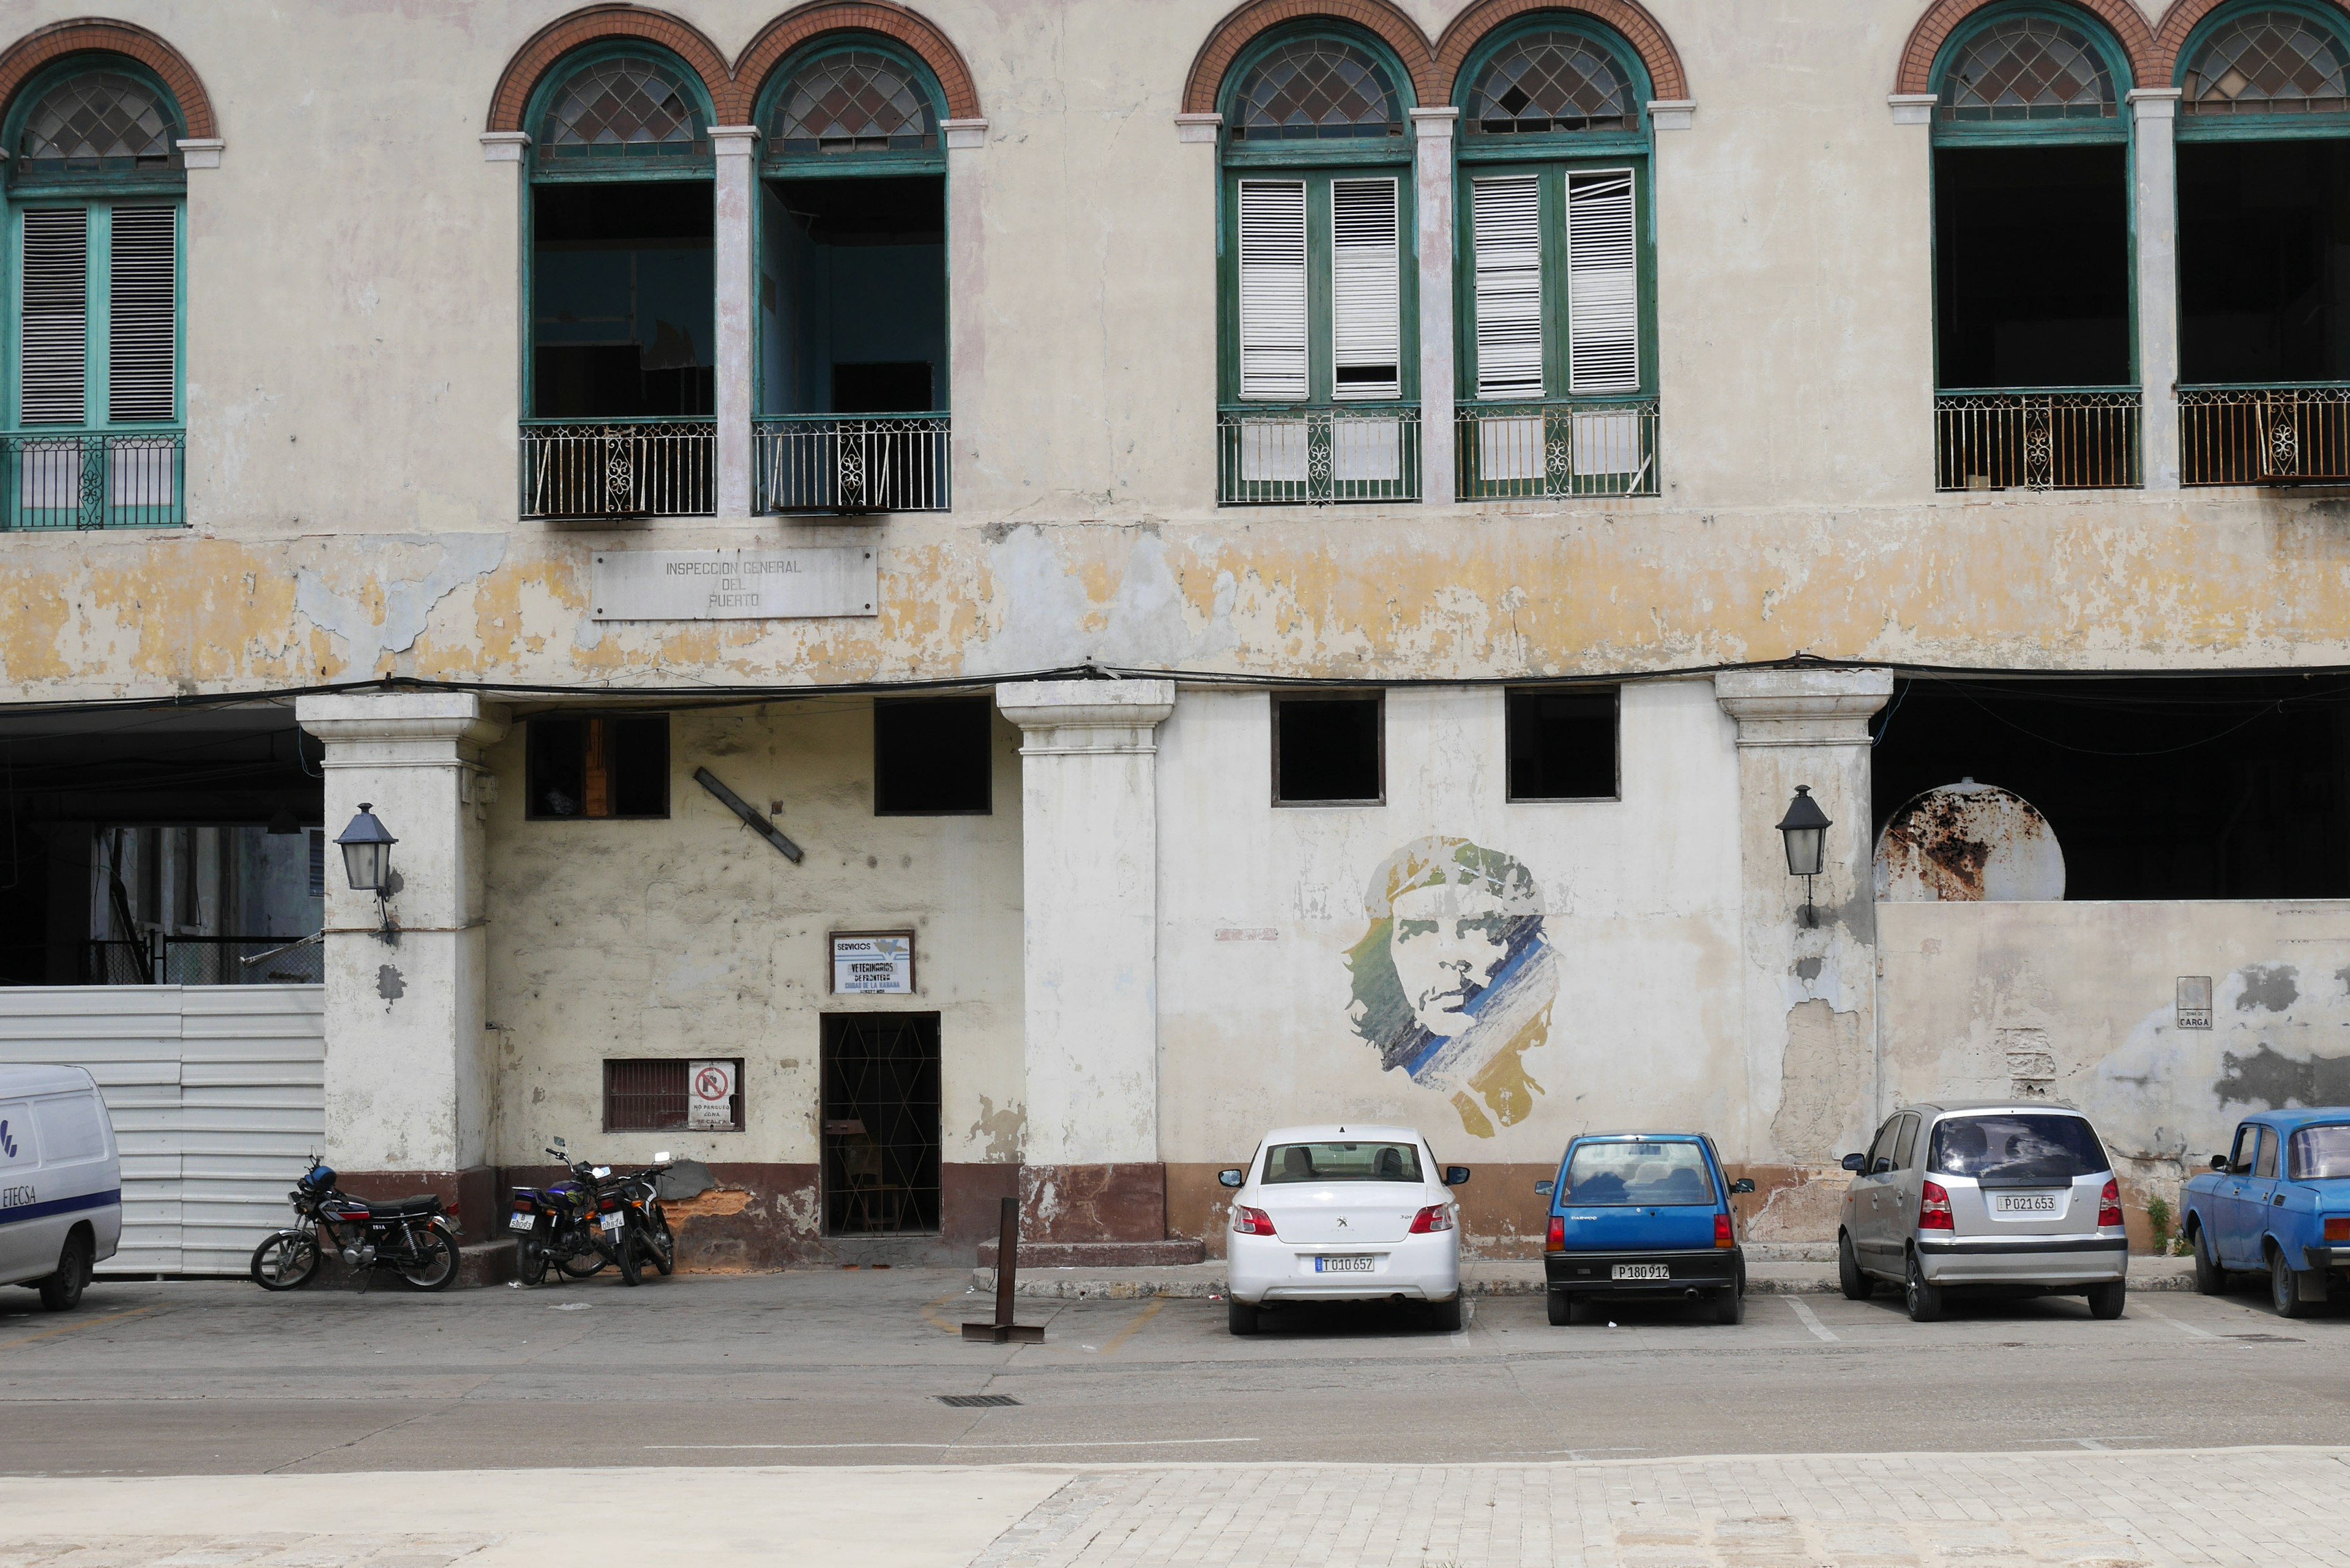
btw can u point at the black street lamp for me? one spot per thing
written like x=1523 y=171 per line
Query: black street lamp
x=367 y=860
x=1805 y=828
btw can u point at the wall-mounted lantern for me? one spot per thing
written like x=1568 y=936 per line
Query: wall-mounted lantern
x=367 y=860
x=1805 y=828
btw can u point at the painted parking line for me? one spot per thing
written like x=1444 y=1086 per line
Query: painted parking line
x=1117 y=1342
x=1811 y=1319
x=2179 y=1324
x=78 y=1327
x=810 y=1448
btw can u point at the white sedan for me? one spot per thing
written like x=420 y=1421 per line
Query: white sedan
x=1344 y=1214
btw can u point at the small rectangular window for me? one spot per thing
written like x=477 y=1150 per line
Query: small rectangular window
x=1562 y=743
x=1329 y=751
x=608 y=765
x=935 y=756
x=649 y=1095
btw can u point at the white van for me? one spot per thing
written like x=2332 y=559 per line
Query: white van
x=60 y=1182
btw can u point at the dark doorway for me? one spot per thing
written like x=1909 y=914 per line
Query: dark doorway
x=852 y=295
x=2031 y=261
x=880 y=1123
x=2264 y=283
x=623 y=322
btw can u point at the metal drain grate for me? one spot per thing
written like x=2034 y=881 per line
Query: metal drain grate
x=2261 y=1338
x=976 y=1401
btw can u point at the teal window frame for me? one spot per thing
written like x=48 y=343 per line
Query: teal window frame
x=2257 y=127
x=96 y=192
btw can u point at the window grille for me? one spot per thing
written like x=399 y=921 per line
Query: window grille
x=649 y=1096
x=626 y=106
x=1315 y=88
x=97 y=120
x=858 y=101
x=2027 y=68
x=1551 y=81
x=2269 y=62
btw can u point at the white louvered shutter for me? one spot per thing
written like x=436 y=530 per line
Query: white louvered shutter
x=54 y=341
x=143 y=309
x=1273 y=290
x=1603 y=285
x=1506 y=229
x=1365 y=294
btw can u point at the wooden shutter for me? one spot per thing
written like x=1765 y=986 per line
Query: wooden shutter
x=1365 y=295
x=143 y=346
x=1273 y=290
x=54 y=342
x=1603 y=285
x=1506 y=229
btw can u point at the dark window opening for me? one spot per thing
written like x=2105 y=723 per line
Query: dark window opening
x=852 y=295
x=2032 y=266
x=2263 y=278
x=1329 y=751
x=2203 y=787
x=609 y=766
x=880 y=1122
x=649 y=1096
x=1562 y=743
x=935 y=756
x=623 y=323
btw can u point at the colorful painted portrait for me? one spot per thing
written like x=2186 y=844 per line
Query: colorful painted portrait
x=1454 y=978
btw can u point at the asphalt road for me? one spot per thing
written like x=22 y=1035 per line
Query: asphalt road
x=832 y=1367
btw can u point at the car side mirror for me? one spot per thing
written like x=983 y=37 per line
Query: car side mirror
x=2219 y=1163
x=1456 y=1175
x=1856 y=1163
x=1544 y=1189
x=1744 y=1184
x=1229 y=1178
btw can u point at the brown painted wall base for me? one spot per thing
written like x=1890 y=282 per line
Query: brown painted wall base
x=1082 y=1204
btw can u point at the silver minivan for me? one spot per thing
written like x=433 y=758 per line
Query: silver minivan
x=60 y=1182
x=2012 y=1196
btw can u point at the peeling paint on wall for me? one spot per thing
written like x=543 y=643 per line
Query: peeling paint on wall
x=1827 y=1061
x=998 y=1133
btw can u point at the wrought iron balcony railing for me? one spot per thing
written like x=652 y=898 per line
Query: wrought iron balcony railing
x=79 y=479
x=1286 y=456
x=618 y=468
x=2287 y=434
x=1563 y=446
x=2056 y=437
x=852 y=462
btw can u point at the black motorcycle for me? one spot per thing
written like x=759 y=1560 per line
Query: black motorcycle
x=412 y=1237
x=578 y=1225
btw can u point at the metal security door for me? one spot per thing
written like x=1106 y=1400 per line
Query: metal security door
x=880 y=1123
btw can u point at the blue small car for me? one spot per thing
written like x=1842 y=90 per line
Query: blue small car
x=1643 y=1216
x=2278 y=1201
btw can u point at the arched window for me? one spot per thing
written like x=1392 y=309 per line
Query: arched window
x=1557 y=357
x=1319 y=284
x=625 y=106
x=95 y=195
x=2268 y=62
x=856 y=100
x=2027 y=67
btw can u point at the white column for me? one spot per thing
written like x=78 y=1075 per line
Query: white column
x=512 y=148
x=1089 y=855
x=406 y=1077
x=2155 y=220
x=966 y=143
x=1432 y=199
x=1810 y=991
x=736 y=206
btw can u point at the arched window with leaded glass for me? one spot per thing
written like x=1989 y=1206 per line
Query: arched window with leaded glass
x=1557 y=333
x=622 y=342
x=2035 y=334
x=1320 y=383
x=97 y=198
x=852 y=366
x=2264 y=225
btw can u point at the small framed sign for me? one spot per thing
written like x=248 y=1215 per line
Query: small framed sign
x=873 y=963
x=2194 y=1002
x=710 y=1095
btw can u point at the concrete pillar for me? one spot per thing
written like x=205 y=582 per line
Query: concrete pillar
x=2156 y=221
x=1810 y=991
x=512 y=148
x=1089 y=886
x=966 y=143
x=735 y=208
x=407 y=1089
x=1431 y=167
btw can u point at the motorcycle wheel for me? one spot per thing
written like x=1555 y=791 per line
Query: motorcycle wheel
x=435 y=1263
x=663 y=1247
x=580 y=1266
x=632 y=1269
x=530 y=1259
x=285 y=1261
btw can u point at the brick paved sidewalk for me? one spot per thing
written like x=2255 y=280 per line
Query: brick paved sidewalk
x=2122 y=1509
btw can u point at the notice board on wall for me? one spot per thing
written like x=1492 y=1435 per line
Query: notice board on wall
x=710 y=1095
x=873 y=963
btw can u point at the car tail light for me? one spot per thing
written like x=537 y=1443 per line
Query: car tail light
x=1557 y=1240
x=1934 y=1208
x=2109 y=1204
x=1721 y=1234
x=1247 y=1221
x=2337 y=1228
x=1435 y=1217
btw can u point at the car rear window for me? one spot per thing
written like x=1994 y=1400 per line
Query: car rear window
x=2017 y=1146
x=1606 y=1174
x=2321 y=1154
x=1341 y=1162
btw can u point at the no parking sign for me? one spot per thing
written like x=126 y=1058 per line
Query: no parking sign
x=710 y=1094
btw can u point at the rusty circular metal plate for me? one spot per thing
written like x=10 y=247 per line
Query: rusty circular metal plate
x=1968 y=843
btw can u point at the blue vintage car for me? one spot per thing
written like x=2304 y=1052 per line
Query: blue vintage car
x=2278 y=1201
x=1642 y=1215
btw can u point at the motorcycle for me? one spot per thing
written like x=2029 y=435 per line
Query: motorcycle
x=413 y=1237
x=579 y=1225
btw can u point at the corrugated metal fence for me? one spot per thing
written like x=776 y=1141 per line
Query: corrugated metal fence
x=217 y=1092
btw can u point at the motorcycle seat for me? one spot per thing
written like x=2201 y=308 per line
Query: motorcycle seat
x=401 y=1208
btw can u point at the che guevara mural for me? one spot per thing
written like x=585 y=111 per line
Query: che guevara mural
x=1454 y=978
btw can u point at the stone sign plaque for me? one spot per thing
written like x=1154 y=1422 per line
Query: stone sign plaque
x=805 y=581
